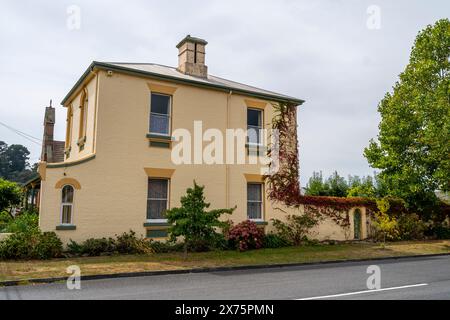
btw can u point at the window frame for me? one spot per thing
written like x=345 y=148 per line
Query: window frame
x=261 y=128
x=84 y=102
x=69 y=124
x=71 y=204
x=169 y=115
x=158 y=199
x=262 y=189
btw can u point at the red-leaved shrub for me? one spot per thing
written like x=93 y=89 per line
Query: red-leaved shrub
x=246 y=235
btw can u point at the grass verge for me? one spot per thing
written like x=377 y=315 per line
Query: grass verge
x=23 y=270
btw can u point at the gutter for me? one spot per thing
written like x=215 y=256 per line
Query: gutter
x=157 y=76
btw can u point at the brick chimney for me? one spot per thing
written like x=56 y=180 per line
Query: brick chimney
x=47 y=142
x=191 y=57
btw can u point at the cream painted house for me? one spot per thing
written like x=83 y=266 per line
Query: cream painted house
x=118 y=172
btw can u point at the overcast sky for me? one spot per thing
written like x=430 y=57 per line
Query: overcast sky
x=330 y=53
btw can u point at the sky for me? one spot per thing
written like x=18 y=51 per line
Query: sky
x=341 y=56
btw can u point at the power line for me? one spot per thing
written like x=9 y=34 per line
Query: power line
x=23 y=134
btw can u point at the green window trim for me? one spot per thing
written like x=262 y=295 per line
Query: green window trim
x=160 y=233
x=160 y=137
x=157 y=224
x=159 y=144
x=261 y=223
x=66 y=227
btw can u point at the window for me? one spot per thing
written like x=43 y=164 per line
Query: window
x=254 y=201
x=160 y=114
x=254 y=126
x=157 y=199
x=67 y=204
x=69 y=127
x=83 y=114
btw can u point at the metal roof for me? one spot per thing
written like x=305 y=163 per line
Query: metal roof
x=167 y=73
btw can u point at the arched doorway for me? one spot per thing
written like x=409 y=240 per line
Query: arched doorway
x=357 y=224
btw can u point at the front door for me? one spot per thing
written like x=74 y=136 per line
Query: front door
x=357 y=224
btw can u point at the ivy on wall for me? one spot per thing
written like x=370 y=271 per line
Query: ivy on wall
x=284 y=185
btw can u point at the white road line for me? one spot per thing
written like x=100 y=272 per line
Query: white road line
x=366 y=291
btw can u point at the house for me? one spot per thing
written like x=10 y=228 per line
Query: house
x=123 y=165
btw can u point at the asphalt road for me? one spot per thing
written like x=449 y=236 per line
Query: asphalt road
x=408 y=278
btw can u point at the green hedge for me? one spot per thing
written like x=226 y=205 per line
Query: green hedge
x=31 y=245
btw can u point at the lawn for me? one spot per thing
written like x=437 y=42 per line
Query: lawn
x=22 y=270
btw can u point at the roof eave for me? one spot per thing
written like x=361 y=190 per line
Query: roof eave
x=107 y=66
x=79 y=82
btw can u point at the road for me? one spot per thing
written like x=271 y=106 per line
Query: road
x=407 y=278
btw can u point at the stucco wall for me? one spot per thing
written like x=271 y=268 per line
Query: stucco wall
x=113 y=194
x=75 y=102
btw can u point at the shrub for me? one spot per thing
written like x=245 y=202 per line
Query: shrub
x=31 y=245
x=246 y=235
x=273 y=241
x=165 y=247
x=442 y=232
x=96 y=247
x=193 y=222
x=75 y=248
x=128 y=243
x=297 y=228
x=410 y=227
x=27 y=221
x=5 y=218
x=386 y=227
x=17 y=246
x=49 y=246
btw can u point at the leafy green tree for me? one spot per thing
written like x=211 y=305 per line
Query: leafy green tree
x=10 y=195
x=384 y=223
x=316 y=186
x=413 y=144
x=366 y=187
x=192 y=222
x=337 y=185
x=334 y=186
x=14 y=163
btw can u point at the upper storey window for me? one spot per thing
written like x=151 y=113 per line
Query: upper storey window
x=69 y=127
x=254 y=126
x=83 y=119
x=160 y=114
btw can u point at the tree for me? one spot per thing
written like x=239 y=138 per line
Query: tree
x=334 y=186
x=316 y=185
x=338 y=186
x=192 y=222
x=413 y=147
x=366 y=187
x=10 y=195
x=384 y=223
x=14 y=165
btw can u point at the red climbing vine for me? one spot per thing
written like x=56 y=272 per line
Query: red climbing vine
x=284 y=184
